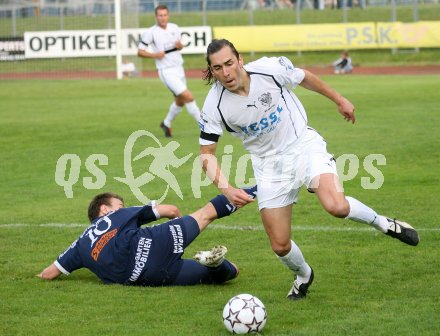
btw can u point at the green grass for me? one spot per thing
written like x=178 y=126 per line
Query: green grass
x=366 y=283
x=362 y=58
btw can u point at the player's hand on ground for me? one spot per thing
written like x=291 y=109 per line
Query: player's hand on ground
x=346 y=108
x=237 y=197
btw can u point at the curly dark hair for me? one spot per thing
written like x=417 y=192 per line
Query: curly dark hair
x=215 y=46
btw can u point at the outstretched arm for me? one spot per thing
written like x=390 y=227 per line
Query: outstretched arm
x=236 y=196
x=49 y=273
x=168 y=211
x=345 y=107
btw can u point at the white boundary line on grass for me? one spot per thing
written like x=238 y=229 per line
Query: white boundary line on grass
x=219 y=227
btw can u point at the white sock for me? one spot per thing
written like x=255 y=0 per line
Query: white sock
x=193 y=110
x=294 y=261
x=172 y=113
x=360 y=213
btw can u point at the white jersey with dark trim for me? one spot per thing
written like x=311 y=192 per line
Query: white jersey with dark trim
x=269 y=119
x=160 y=39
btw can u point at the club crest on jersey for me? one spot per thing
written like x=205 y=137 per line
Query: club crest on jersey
x=265 y=99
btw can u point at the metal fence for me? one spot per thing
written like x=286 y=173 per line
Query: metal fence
x=20 y=16
x=15 y=9
x=17 y=15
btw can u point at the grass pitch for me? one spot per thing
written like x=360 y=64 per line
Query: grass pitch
x=366 y=283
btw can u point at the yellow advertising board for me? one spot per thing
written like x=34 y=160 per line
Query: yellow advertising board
x=365 y=35
x=300 y=37
x=422 y=34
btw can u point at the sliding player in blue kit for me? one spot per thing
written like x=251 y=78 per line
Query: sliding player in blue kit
x=118 y=250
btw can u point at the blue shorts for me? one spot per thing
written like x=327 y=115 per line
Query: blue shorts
x=165 y=265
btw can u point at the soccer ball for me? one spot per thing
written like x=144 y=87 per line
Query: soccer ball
x=244 y=314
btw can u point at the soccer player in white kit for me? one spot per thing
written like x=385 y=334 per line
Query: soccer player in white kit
x=255 y=103
x=162 y=43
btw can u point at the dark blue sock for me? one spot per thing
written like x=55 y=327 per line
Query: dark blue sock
x=224 y=207
x=224 y=272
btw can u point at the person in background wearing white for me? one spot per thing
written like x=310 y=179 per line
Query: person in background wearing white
x=128 y=69
x=162 y=43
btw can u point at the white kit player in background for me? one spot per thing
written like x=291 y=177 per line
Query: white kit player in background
x=162 y=43
x=255 y=102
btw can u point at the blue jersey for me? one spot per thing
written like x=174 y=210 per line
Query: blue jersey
x=114 y=247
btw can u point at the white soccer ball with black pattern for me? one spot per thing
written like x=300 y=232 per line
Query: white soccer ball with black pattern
x=244 y=314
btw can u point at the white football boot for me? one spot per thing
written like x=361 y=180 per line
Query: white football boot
x=211 y=258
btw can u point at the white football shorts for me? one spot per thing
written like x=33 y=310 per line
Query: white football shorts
x=280 y=177
x=174 y=79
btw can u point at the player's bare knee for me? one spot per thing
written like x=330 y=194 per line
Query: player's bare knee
x=186 y=97
x=189 y=99
x=338 y=209
x=281 y=249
